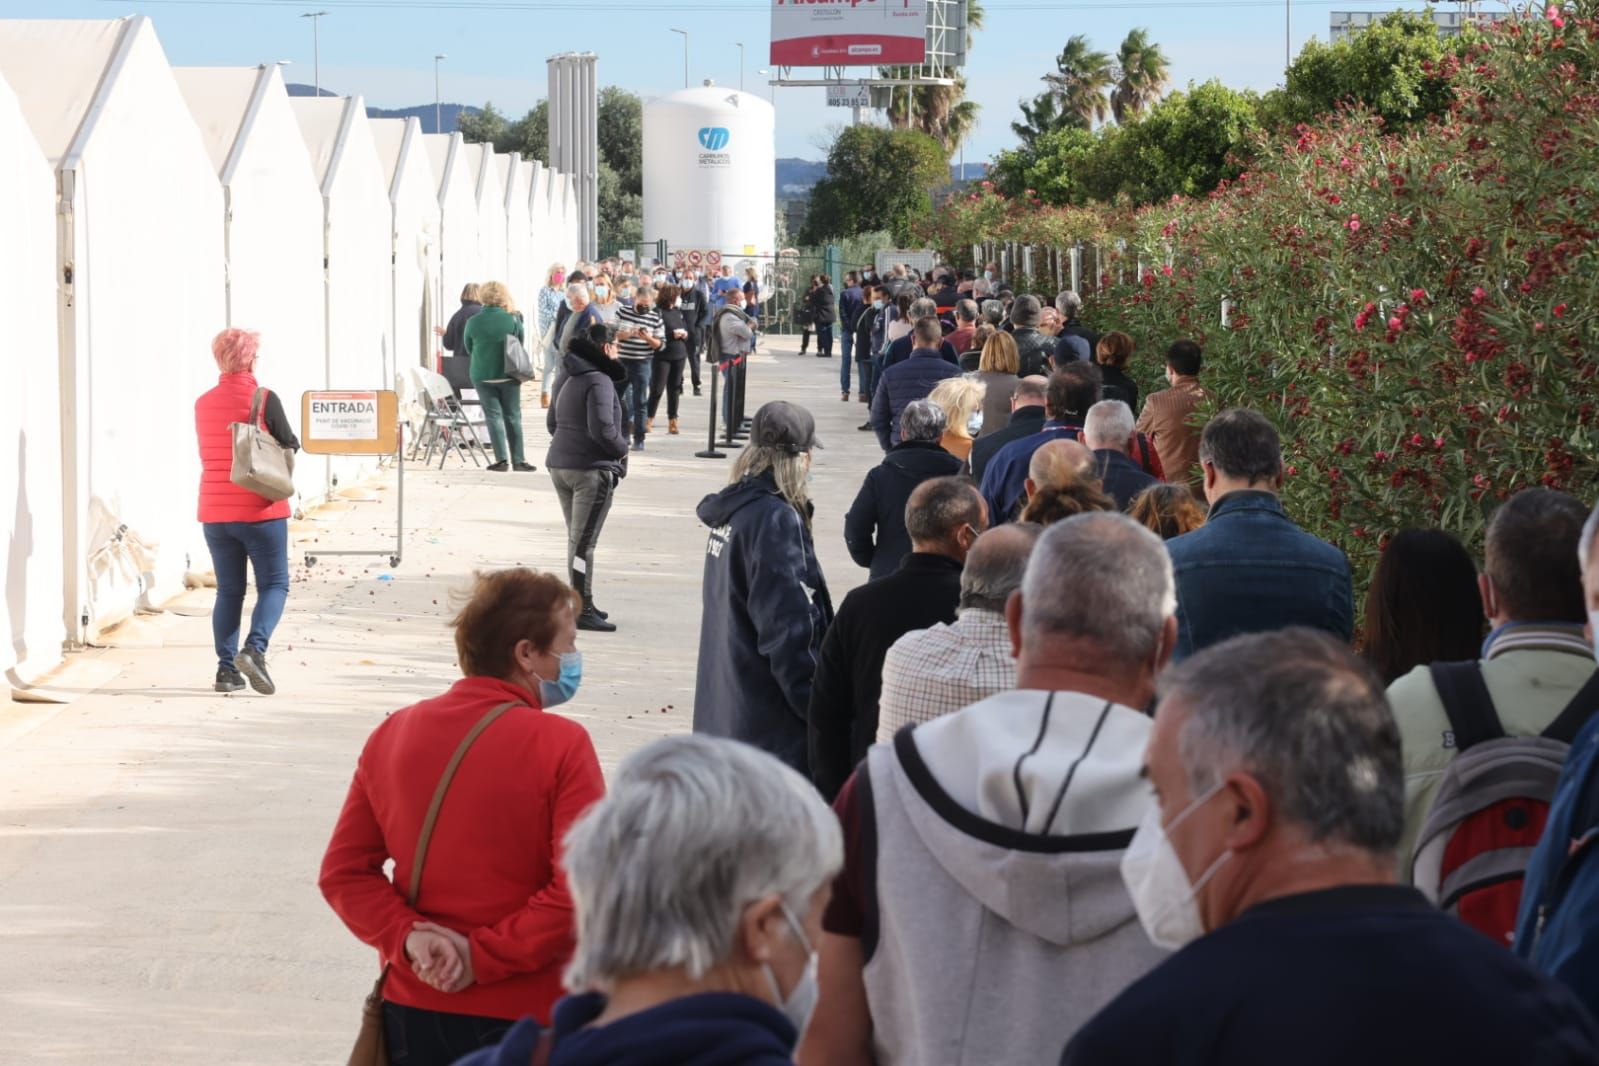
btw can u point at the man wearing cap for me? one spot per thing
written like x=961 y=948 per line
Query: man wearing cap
x=765 y=601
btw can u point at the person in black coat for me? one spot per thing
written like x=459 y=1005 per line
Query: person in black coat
x=944 y=517
x=874 y=528
x=667 y=377
x=765 y=601
x=457 y=367
x=1026 y=418
x=823 y=315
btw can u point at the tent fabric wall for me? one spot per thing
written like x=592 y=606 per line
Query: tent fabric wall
x=272 y=229
x=413 y=198
x=143 y=302
x=519 y=269
x=461 y=262
x=357 y=221
x=32 y=627
x=491 y=213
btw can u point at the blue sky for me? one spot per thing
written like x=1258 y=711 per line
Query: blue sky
x=384 y=49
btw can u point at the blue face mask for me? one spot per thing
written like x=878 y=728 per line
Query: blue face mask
x=564 y=687
x=877 y=305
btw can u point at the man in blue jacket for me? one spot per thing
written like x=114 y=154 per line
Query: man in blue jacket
x=766 y=606
x=1071 y=392
x=1557 y=929
x=1249 y=568
x=909 y=381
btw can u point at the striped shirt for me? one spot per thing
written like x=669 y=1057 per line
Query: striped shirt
x=630 y=318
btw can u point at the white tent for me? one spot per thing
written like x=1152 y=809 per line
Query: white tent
x=514 y=175
x=272 y=219
x=356 y=238
x=491 y=212
x=139 y=258
x=413 y=200
x=461 y=262
x=33 y=626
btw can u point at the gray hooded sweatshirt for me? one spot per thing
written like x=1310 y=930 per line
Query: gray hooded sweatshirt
x=1001 y=923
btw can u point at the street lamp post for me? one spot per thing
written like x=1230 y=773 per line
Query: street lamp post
x=740 y=65
x=763 y=72
x=685 y=54
x=316 y=46
x=438 y=125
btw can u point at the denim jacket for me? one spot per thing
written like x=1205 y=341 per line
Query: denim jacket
x=1249 y=569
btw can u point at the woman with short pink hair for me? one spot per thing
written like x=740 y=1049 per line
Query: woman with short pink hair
x=241 y=526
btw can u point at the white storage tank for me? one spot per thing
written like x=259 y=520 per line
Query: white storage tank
x=710 y=172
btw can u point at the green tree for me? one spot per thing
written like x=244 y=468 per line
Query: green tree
x=1081 y=82
x=1144 y=75
x=1392 y=67
x=487 y=125
x=877 y=179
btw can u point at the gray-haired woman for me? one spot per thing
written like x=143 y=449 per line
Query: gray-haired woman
x=764 y=598
x=711 y=960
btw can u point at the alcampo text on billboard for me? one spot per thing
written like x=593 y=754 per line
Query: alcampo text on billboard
x=822 y=33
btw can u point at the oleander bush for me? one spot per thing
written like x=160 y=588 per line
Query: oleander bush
x=1416 y=311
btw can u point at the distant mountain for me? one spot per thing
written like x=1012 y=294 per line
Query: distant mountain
x=796 y=176
x=449 y=114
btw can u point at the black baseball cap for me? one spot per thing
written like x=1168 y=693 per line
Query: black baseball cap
x=780 y=424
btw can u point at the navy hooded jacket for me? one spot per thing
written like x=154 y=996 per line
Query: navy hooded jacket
x=766 y=609
x=713 y=1029
x=903 y=384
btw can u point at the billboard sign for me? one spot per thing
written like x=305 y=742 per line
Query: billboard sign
x=833 y=33
x=856 y=94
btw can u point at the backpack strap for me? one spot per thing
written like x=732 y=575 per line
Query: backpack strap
x=1569 y=722
x=1467 y=703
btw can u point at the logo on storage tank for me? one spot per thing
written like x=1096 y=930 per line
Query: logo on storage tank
x=714 y=139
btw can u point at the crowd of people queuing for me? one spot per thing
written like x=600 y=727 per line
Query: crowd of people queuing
x=1090 y=770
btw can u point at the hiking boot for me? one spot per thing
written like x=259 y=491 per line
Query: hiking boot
x=229 y=680
x=671 y=428
x=591 y=621
x=252 y=664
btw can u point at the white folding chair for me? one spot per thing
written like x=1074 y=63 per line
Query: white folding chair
x=448 y=425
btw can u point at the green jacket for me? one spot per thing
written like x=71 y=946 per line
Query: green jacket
x=485 y=335
x=1532 y=671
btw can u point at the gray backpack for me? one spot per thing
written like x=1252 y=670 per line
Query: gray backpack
x=1490 y=808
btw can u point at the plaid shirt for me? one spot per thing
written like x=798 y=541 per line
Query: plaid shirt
x=933 y=672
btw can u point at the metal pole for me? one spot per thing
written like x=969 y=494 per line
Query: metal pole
x=316 y=48
x=1288 y=34
x=685 y=53
x=438 y=123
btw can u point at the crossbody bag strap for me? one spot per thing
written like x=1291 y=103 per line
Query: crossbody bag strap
x=438 y=797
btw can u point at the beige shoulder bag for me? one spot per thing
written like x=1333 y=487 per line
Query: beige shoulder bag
x=370 y=1047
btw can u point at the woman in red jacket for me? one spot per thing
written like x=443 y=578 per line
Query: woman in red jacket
x=240 y=525
x=491 y=929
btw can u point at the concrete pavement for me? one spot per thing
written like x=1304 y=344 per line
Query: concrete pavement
x=159 y=843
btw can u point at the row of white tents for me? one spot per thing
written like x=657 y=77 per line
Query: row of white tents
x=143 y=208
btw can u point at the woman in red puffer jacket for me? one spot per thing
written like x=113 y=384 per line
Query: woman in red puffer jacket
x=239 y=525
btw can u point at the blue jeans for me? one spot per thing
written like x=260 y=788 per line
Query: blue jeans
x=824 y=340
x=846 y=342
x=502 y=410
x=636 y=397
x=266 y=546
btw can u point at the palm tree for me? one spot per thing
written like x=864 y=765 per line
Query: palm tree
x=940 y=111
x=1145 y=73
x=1080 y=83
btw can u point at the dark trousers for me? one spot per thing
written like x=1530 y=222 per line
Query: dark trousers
x=846 y=342
x=805 y=339
x=419 y=1037
x=502 y=410
x=265 y=546
x=696 y=352
x=824 y=340
x=585 y=497
x=636 y=396
x=667 y=379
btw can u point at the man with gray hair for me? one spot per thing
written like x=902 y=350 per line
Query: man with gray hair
x=1270 y=854
x=1109 y=431
x=936 y=671
x=981 y=915
x=944 y=517
x=1070 y=305
x=965 y=326
x=1034 y=347
x=900 y=349
x=874 y=526
x=673 y=956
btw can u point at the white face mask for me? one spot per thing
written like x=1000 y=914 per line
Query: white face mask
x=800 y=1003
x=1158 y=884
x=974 y=424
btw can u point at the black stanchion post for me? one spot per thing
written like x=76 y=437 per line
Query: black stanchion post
x=710 y=451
